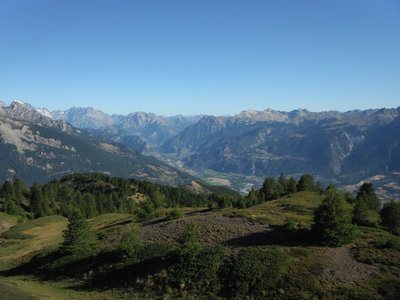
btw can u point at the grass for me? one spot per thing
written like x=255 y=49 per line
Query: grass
x=165 y=211
x=307 y=277
x=27 y=288
x=109 y=220
x=299 y=207
x=25 y=239
x=377 y=246
x=304 y=277
x=7 y=221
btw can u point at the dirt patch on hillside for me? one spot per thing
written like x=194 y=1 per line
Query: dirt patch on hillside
x=213 y=228
x=341 y=267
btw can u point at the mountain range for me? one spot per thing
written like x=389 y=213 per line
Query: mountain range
x=139 y=129
x=35 y=147
x=240 y=150
x=327 y=144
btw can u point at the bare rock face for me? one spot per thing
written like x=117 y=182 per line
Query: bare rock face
x=19 y=110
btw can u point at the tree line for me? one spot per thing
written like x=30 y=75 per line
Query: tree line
x=92 y=194
x=334 y=225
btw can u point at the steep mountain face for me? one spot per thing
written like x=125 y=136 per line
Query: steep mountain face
x=83 y=117
x=36 y=148
x=380 y=152
x=330 y=144
x=147 y=129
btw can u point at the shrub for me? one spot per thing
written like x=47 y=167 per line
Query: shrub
x=198 y=266
x=174 y=214
x=254 y=271
x=289 y=225
x=130 y=242
x=145 y=211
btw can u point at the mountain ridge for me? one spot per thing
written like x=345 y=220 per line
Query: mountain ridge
x=34 y=147
x=341 y=147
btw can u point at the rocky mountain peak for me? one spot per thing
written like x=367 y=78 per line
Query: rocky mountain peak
x=267 y=115
x=386 y=115
x=21 y=111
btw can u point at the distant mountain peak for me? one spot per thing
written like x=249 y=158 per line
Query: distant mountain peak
x=265 y=115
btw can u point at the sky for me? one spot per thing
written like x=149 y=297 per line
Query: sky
x=200 y=57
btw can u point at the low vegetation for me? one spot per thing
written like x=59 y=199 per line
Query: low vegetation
x=301 y=245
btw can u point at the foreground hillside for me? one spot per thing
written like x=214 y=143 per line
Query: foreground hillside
x=200 y=253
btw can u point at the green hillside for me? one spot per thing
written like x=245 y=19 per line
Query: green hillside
x=263 y=251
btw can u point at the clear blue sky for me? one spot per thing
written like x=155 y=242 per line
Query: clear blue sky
x=190 y=57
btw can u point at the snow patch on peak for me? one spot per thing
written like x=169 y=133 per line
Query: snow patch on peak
x=44 y=112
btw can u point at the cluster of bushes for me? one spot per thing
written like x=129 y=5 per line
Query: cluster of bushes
x=368 y=211
x=333 y=223
x=189 y=269
x=271 y=189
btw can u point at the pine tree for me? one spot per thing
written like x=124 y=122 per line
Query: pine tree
x=390 y=216
x=77 y=237
x=20 y=191
x=283 y=185
x=306 y=183
x=10 y=207
x=332 y=225
x=292 y=185
x=360 y=214
x=12 y=200
x=366 y=201
x=88 y=205
x=270 y=190
x=37 y=201
x=367 y=194
x=7 y=189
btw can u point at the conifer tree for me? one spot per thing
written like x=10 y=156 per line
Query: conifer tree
x=77 y=237
x=366 y=201
x=360 y=214
x=292 y=185
x=10 y=207
x=37 y=202
x=306 y=183
x=270 y=190
x=7 y=190
x=390 y=216
x=367 y=194
x=283 y=185
x=332 y=225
